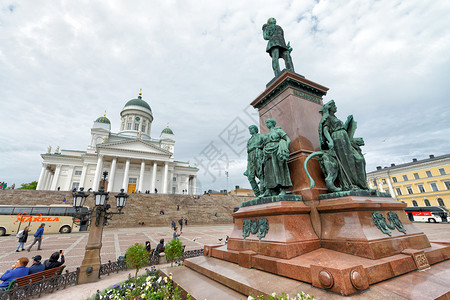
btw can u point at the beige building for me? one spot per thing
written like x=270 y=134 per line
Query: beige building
x=423 y=182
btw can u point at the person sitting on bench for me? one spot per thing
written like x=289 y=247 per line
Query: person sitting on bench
x=37 y=266
x=53 y=262
x=19 y=269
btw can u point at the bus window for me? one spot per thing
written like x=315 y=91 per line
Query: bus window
x=40 y=211
x=22 y=210
x=70 y=211
x=6 y=210
x=57 y=211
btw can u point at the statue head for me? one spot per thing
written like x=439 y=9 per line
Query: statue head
x=253 y=129
x=327 y=107
x=271 y=123
x=272 y=21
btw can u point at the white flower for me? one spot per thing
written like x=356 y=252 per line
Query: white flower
x=250 y=298
x=274 y=294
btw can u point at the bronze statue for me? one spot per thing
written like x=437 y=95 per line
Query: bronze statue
x=255 y=160
x=341 y=158
x=276 y=154
x=276 y=46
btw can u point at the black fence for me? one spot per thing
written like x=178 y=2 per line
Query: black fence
x=120 y=265
x=44 y=286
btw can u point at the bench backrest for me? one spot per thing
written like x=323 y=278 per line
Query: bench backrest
x=36 y=276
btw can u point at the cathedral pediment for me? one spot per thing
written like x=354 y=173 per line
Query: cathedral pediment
x=135 y=146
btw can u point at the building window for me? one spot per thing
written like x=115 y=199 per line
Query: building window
x=405 y=177
x=77 y=173
x=441 y=202
x=421 y=188
x=394 y=179
x=136 y=126
x=409 y=189
x=174 y=190
x=442 y=171
x=374 y=182
x=128 y=126
x=427 y=202
x=143 y=128
x=383 y=181
x=434 y=187
x=429 y=174
x=414 y=202
x=174 y=179
x=132 y=180
x=75 y=185
x=447 y=185
x=399 y=191
x=416 y=176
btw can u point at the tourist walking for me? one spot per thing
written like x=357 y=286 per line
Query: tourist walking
x=23 y=236
x=37 y=237
x=180 y=221
x=176 y=235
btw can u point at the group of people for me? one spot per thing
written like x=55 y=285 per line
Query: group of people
x=159 y=248
x=148 y=191
x=23 y=237
x=20 y=269
x=181 y=221
x=3 y=186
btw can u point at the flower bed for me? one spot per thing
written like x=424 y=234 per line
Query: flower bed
x=148 y=286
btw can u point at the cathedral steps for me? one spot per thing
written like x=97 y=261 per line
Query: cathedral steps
x=142 y=207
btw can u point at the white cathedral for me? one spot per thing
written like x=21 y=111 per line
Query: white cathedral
x=135 y=161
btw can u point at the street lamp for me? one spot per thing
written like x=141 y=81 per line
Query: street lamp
x=121 y=200
x=79 y=199
x=90 y=267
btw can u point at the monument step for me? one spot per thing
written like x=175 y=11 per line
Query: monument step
x=431 y=283
x=199 y=286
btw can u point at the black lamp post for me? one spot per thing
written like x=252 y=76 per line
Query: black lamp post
x=90 y=267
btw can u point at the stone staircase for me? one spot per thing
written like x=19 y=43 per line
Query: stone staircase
x=142 y=207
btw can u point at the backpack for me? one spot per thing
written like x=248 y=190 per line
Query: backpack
x=20 y=234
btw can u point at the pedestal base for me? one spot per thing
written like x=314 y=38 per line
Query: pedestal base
x=289 y=233
x=349 y=225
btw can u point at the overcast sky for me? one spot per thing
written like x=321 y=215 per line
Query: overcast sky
x=200 y=64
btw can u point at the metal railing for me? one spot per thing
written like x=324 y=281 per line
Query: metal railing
x=44 y=286
x=121 y=265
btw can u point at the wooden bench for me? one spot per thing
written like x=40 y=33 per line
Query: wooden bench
x=35 y=277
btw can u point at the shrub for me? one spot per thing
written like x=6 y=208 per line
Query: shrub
x=137 y=257
x=174 y=250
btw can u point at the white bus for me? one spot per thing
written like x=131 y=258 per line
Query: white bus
x=431 y=214
x=57 y=218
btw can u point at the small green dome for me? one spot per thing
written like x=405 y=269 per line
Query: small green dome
x=103 y=120
x=167 y=130
x=138 y=102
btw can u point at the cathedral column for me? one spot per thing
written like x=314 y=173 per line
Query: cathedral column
x=194 y=185
x=141 y=176
x=125 y=175
x=55 y=178
x=166 y=171
x=187 y=185
x=155 y=166
x=83 y=175
x=50 y=181
x=41 y=177
x=46 y=179
x=98 y=171
x=112 y=174
x=69 y=179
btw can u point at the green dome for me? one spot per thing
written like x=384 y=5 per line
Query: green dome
x=103 y=120
x=138 y=102
x=167 y=130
